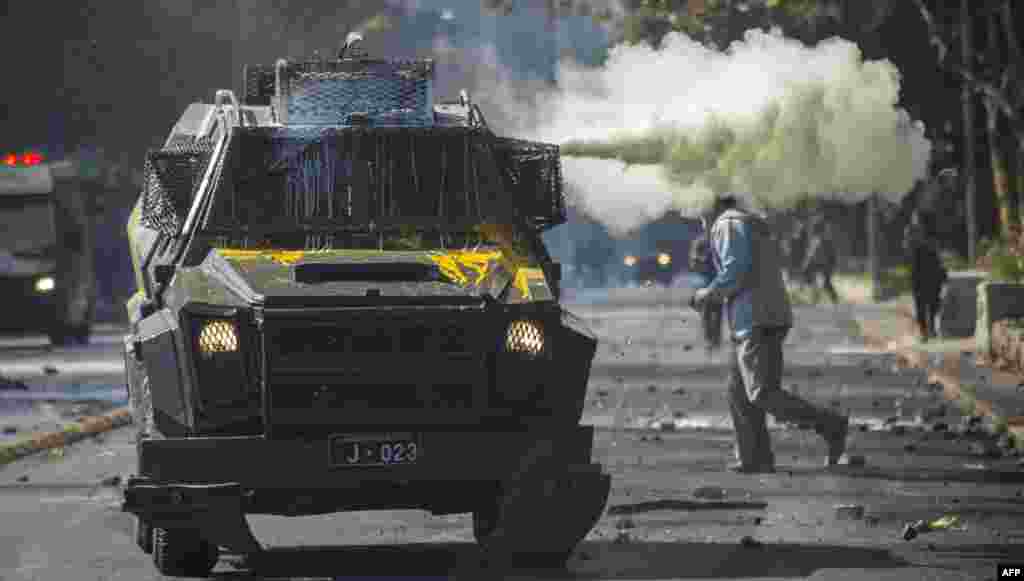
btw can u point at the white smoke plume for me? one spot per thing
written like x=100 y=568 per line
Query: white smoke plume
x=770 y=119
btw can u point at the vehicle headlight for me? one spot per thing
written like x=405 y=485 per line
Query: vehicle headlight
x=664 y=259
x=629 y=260
x=525 y=337
x=45 y=284
x=217 y=336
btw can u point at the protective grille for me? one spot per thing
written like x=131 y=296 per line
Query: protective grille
x=307 y=174
x=395 y=93
x=325 y=99
x=171 y=176
x=532 y=175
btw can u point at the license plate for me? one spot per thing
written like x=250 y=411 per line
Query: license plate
x=374 y=450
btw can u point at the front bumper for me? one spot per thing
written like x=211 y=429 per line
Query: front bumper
x=259 y=462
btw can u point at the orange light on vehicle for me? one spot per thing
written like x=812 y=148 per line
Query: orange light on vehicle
x=11 y=160
x=32 y=158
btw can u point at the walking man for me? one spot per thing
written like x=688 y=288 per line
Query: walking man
x=701 y=264
x=749 y=280
x=927 y=274
x=821 y=259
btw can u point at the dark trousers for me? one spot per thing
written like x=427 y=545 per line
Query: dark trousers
x=711 y=321
x=755 y=388
x=926 y=310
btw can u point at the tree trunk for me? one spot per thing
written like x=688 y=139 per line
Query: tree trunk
x=970 y=160
x=1000 y=177
x=1015 y=61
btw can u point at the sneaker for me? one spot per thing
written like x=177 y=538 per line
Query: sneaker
x=836 y=440
x=739 y=468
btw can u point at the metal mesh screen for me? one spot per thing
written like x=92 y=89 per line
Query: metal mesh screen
x=354 y=176
x=171 y=175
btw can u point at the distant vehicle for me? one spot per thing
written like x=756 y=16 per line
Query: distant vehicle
x=47 y=276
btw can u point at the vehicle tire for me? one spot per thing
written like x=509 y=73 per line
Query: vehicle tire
x=81 y=334
x=183 y=553
x=60 y=336
x=144 y=535
x=485 y=521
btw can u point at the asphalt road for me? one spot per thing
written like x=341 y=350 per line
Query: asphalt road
x=59 y=522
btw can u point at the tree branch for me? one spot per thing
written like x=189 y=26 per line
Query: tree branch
x=985 y=87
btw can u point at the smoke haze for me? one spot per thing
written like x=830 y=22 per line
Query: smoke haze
x=770 y=119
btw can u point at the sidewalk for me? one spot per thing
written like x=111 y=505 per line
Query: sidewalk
x=993 y=395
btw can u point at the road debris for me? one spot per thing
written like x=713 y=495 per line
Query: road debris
x=849 y=511
x=114 y=480
x=710 y=493
x=23 y=478
x=749 y=542
x=625 y=524
x=50 y=370
x=674 y=504
x=912 y=530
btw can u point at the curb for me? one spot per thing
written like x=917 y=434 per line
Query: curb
x=948 y=375
x=84 y=428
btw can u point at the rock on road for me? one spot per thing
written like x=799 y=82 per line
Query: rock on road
x=674 y=513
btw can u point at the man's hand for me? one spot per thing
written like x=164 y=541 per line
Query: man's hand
x=698 y=298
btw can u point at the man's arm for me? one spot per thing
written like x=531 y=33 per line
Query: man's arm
x=732 y=243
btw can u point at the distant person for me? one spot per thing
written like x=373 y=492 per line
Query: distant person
x=796 y=248
x=749 y=279
x=701 y=264
x=820 y=261
x=927 y=274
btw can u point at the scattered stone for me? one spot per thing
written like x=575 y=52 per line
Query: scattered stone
x=985 y=449
x=710 y=493
x=22 y=478
x=114 y=480
x=50 y=370
x=625 y=523
x=8 y=430
x=849 y=512
x=749 y=542
x=853 y=460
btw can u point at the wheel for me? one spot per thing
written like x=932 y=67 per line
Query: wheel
x=183 y=553
x=144 y=535
x=59 y=338
x=80 y=334
x=485 y=520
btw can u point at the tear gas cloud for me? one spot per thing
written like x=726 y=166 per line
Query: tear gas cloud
x=770 y=119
